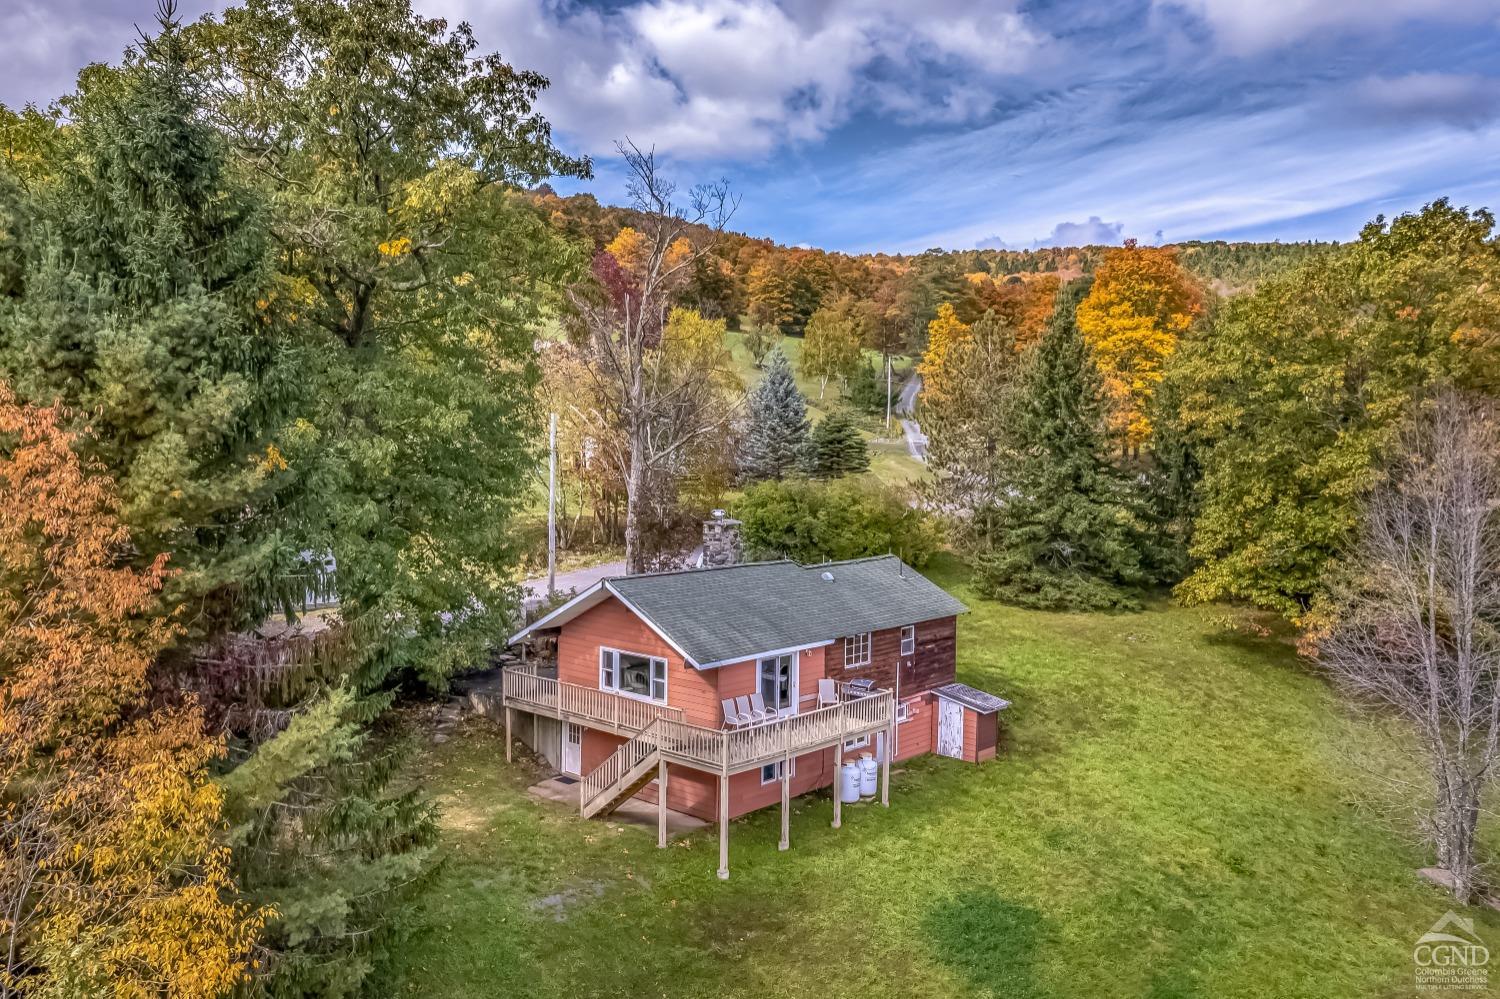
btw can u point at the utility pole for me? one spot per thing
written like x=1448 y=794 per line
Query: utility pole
x=552 y=506
x=888 y=392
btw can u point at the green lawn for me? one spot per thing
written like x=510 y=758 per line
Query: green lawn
x=1177 y=810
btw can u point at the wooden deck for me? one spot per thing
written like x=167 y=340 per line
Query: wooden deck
x=656 y=736
x=730 y=751
x=523 y=688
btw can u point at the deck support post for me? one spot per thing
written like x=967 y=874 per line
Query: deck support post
x=885 y=762
x=838 y=776
x=661 y=804
x=508 y=710
x=723 y=827
x=786 y=802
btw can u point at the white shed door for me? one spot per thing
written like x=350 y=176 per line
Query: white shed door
x=572 y=755
x=950 y=729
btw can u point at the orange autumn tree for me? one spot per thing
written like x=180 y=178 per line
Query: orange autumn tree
x=113 y=879
x=1022 y=302
x=1141 y=302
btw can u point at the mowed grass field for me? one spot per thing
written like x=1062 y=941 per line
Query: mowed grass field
x=890 y=461
x=1177 y=810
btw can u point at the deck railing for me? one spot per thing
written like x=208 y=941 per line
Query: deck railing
x=525 y=689
x=809 y=730
x=726 y=752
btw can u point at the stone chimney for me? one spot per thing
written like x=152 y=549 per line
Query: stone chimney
x=721 y=541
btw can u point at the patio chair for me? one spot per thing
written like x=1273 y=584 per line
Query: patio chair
x=758 y=703
x=746 y=711
x=732 y=717
x=828 y=692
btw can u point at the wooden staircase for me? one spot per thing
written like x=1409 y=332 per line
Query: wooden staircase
x=622 y=775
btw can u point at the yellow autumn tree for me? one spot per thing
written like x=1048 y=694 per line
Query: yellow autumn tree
x=945 y=334
x=1142 y=301
x=113 y=876
x=630 y=249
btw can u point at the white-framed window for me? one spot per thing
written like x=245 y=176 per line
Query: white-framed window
x=859 y=743
x=771 y=772
x=903 y=711
x=857 y=651
x=908 y=639
x=633 y=675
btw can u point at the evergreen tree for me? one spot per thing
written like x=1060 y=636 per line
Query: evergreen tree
x=776 y=435
x=836 y=447
x=417 y=441
x=141 y=263
x=1067 y=532
x=867 y=389
x=416 y=282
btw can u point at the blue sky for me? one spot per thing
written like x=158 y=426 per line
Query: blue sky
x=899 y=125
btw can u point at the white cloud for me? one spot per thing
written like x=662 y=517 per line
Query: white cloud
x=1245 y=27
x=733 y=79
x=1094 y=232
x=1464 y=100
x=44 y=45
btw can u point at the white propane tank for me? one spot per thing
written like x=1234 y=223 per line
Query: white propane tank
x=849 y=783
x=868 y=771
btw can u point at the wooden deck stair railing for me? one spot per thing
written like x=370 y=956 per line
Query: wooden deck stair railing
x=624 y=772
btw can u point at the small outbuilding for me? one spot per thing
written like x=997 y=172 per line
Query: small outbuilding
x=968 y=722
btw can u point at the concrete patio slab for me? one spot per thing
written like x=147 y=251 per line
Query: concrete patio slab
x=635 y=812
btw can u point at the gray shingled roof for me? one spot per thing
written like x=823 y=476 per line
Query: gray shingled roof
x=971 y=697
x=724 y=615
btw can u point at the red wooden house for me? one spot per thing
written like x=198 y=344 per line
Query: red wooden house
x=734 y=688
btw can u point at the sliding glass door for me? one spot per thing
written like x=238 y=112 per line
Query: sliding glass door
x=778 y=683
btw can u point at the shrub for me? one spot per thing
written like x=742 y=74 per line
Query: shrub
x=813 y=521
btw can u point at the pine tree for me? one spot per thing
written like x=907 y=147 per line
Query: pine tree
x=776 y=436
x=1067 y=533
x=867 y=389
x=836 y=447
x=142 y=264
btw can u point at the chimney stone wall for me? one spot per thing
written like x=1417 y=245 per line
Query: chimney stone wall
x=721 y=541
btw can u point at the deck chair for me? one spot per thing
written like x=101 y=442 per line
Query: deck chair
x=746 y=711
x=732 y=717
x=828 y=692
x=758 y=703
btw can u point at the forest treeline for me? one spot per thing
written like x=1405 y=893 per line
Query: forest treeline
x=759 y=283
x=283 y=300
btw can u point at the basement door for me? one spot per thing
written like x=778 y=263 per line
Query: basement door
x=572 y=754
x=950 y=741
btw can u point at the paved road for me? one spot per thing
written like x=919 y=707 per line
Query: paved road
x=574 y=579
x=916 y=441
x=582 y=579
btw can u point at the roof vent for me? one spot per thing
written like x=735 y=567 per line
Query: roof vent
x=827 y=577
